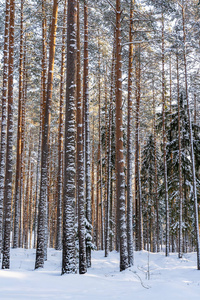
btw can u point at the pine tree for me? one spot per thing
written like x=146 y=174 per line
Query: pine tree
x=9 y=152
x=119 y=146
x=191 y=140
x=79 y=162
x=87 y=134
x=3 y=119
x=148 y=173
x=18 y=159
x=42 y=213
x=60 y=141
x=129 y=146
x=68 y=256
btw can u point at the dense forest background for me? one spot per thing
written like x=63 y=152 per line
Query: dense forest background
x=100 y=136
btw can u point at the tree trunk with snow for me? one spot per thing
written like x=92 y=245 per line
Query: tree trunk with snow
x=191 y=141
x=180 y=240
x=156 y=172
x=68 y=256
x=60 y=139
x=79 y=160
x=87 y=134
x=164 y=143
x=129 y=146
x=18 y=159
x=23 y=150
x=108 y=171
x=42 y=213
x=139 y=219
x=119 y=146
x=42 y=108
x=9 y=153
x=3 y=119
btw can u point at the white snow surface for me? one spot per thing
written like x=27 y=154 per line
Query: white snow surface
x=171 y=278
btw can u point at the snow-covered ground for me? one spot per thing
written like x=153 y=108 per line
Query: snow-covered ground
x=170 y=278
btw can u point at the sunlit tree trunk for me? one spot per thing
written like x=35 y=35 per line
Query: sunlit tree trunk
x=42 y=213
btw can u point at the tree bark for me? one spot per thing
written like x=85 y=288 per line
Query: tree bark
x=179 y=167
x=119 y=146
x=3 y=119
x=156 y=173
x=43 y=101
x=87 y=133
x=129 y=145
x=42 y=213
x=60 y=141
x=79 y=161
x=9 y=153
x=191 y=142
x=18 y=159
x=164 y=142
x=139 y=232
x=68 y=258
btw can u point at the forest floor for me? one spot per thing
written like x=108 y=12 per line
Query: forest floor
x=170 y=278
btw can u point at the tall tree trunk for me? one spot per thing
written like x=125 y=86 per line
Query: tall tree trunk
x=80 y=169
x=129 y=146
x=42 y=214
x=60 y=141
x=180 y=167
x=9 y=156
x=164 y=142
x=93 y=183
x=22 y=163
x=137 y=156
x=173 y=208
x=26 y=199
x=191 y=141
x=43 y=101
x=101 y=228
x=31 y=207
x=3 y=118
x=108 y=170
x=111 y=133
x=156 y=173
x=87 y=133
x=195 y=109
x=18 y=159
x=119 y=146
x=97 y=203
x=68 y=258
x=37 y=181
